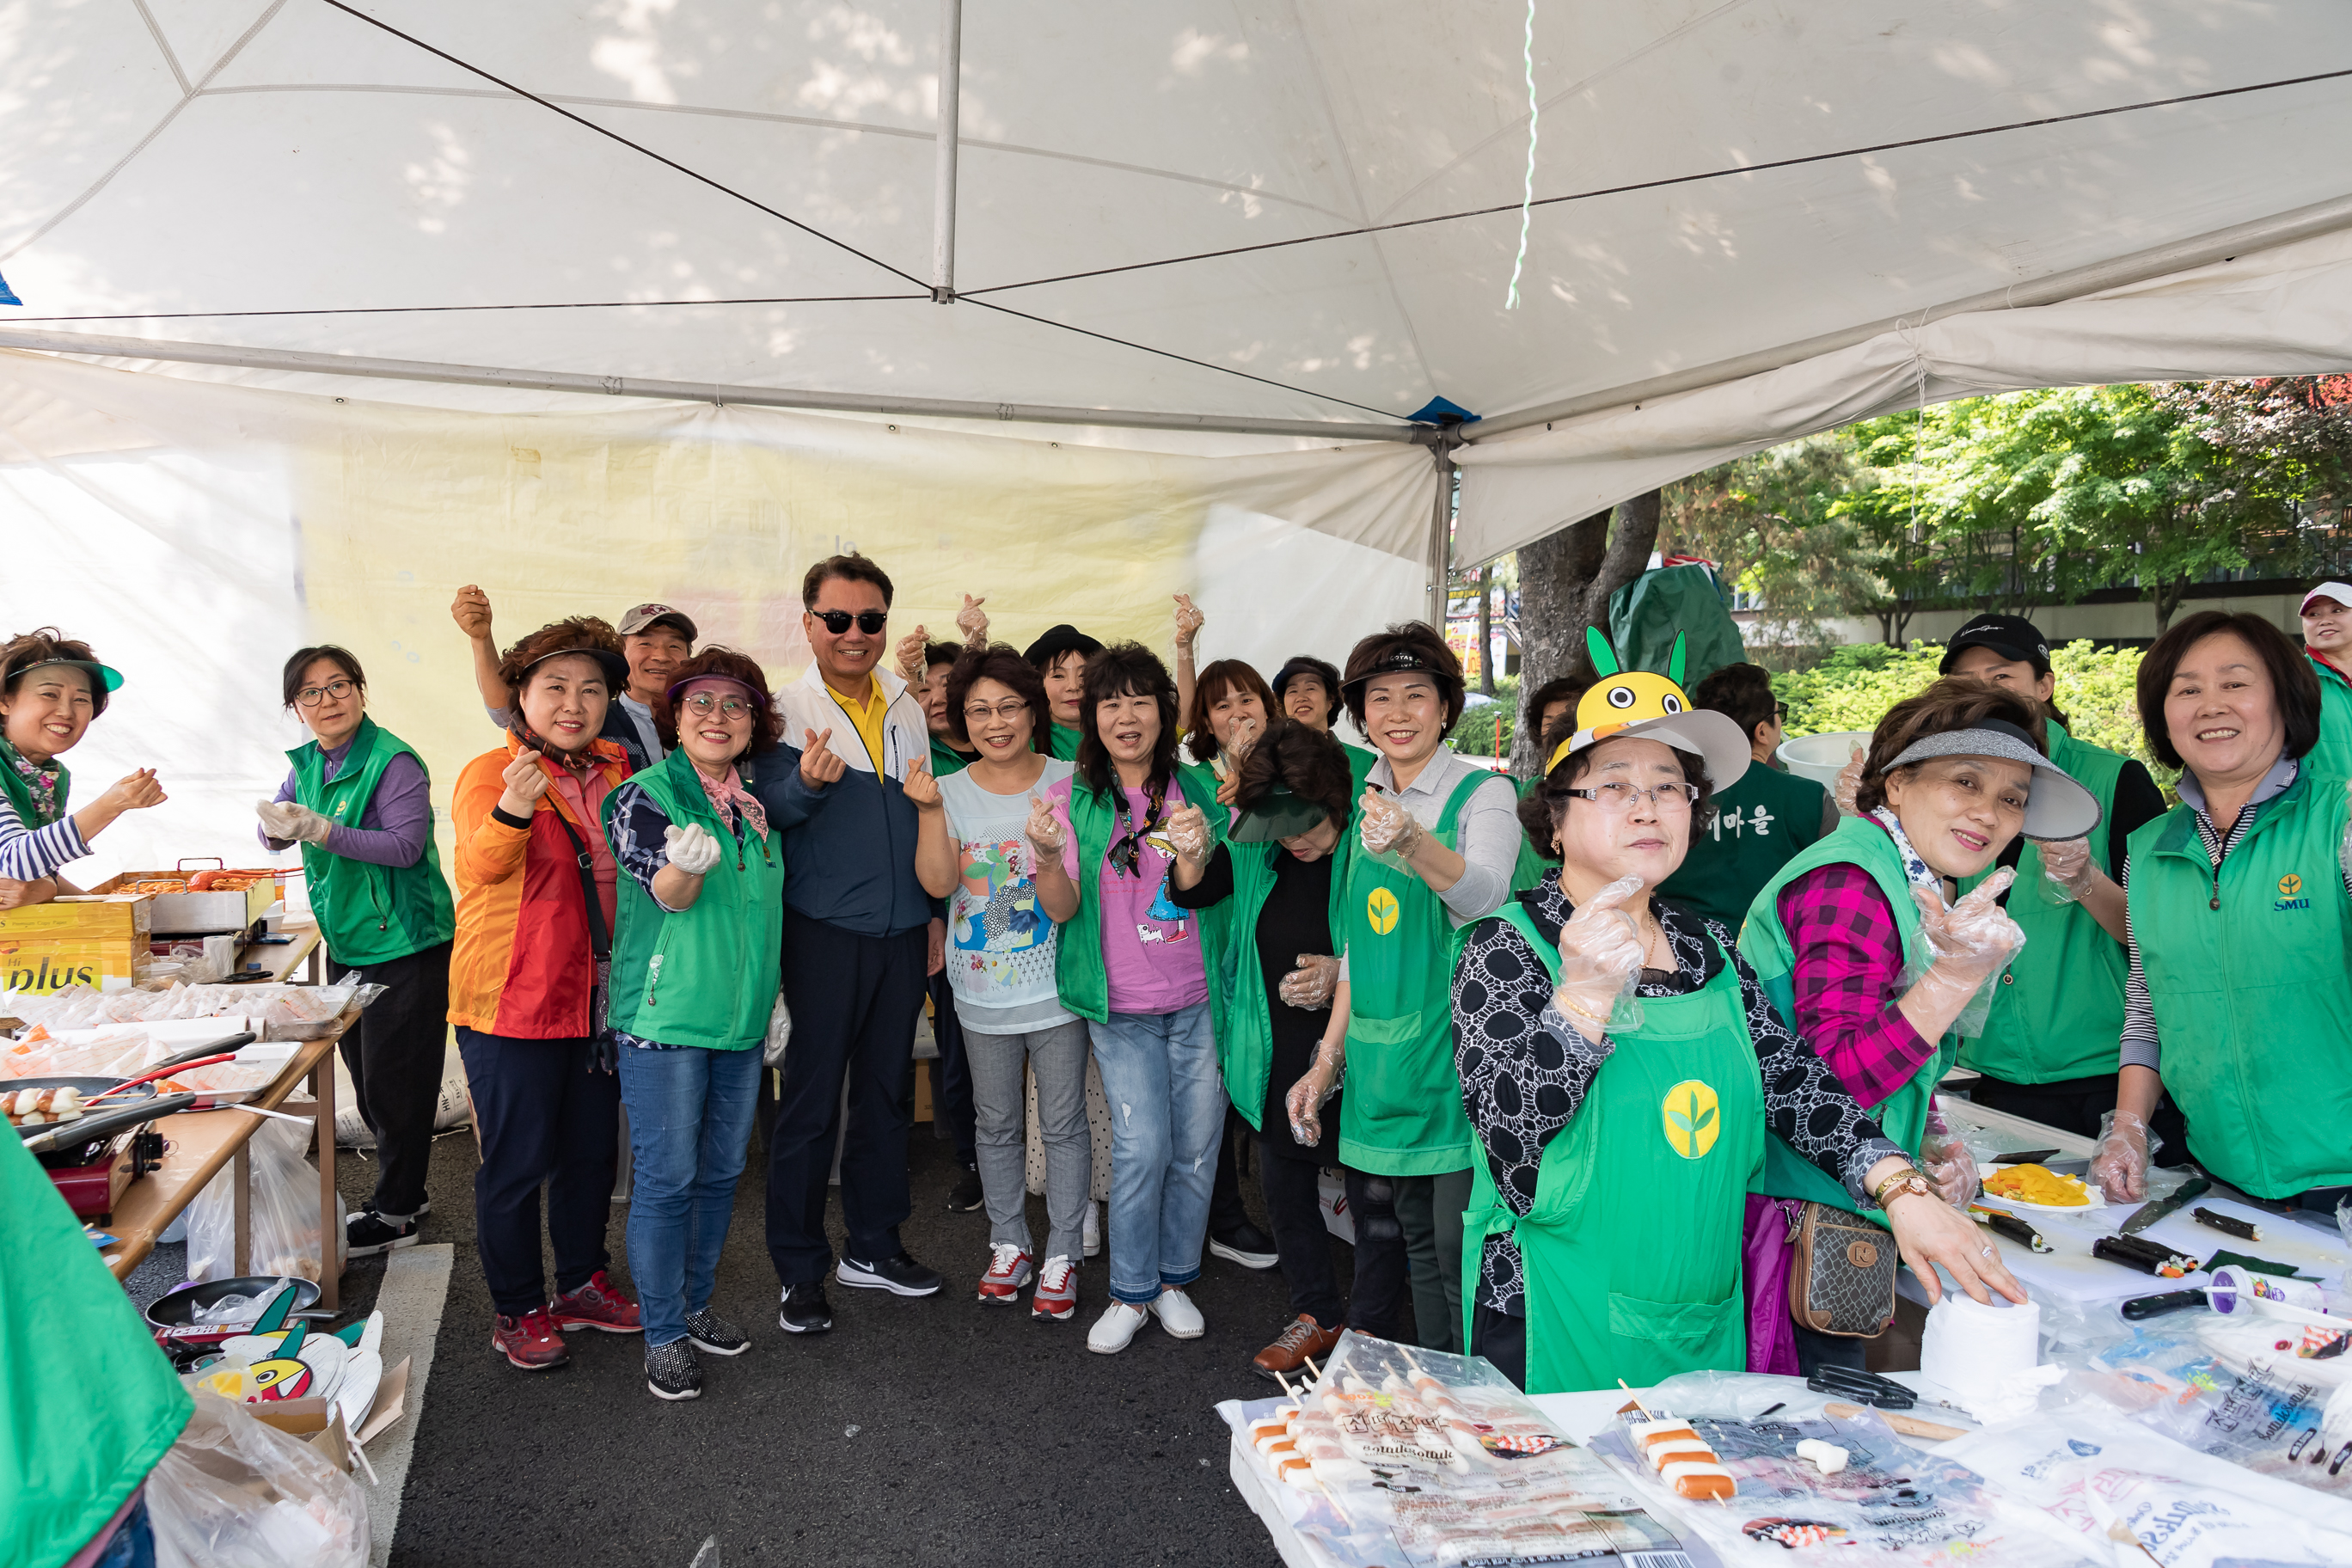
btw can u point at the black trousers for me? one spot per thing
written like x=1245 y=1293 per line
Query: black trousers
x=953 y=1117
x=2075 y=1104
x=1815 y=1351
x=1301 y=1240
x=1227 y=1214
x=1502 y=1340
x=854 y=1002
x=543 y=1116
x=394 y=1055
x=1383 y=1277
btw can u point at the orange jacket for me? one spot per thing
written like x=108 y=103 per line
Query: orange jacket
x=524 y=964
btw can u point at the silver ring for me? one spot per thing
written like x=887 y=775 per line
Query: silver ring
x=1986 y=1250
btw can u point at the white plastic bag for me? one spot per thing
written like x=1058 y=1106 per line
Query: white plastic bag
x=451 y=1108
x=285 y=1213
x=234 y=1493
x=779 y=1032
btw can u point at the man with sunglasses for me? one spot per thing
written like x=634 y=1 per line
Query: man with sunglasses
x=857 y=944
x=1761 y=821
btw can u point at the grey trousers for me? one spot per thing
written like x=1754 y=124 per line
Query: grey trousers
x=1429 y=1211
x=999 y=1101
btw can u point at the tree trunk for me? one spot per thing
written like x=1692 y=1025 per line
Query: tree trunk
x=1486 y=630
x=2168 y=600
x=1565 y=582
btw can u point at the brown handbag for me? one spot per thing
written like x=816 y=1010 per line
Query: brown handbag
x=1841 y=1279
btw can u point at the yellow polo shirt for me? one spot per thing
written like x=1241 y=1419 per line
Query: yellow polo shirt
x=866 y=717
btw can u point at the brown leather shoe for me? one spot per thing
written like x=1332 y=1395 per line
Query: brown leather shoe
x=1302 y=1338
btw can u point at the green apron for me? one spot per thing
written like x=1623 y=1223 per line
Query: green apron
x=1764 y=942
x=1064 y=741
x=1402 y=1115
x=946 y=759
x=1631 y=1251
x=2058 y=1013
x=2246 y=971
x=368 y=913
x=1244 y=1028
x=1531 y=868
x=1765 y=819
x=28 y=810
x=2331 y=756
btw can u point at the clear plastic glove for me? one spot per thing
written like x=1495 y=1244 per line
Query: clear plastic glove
x=290 y=819
x=1188 y=620
x=1849 y=782
x=909 y=654
x=2066 y=871
x=1971 y=941
x=1243 y=740
x=2120 y=1159
x=2343 y=850
x=692 y=848
x=1044 y=829
x=1600 y=958
x=1387 y=829
x=1311 y=985
x=1304 y=1104
x=1946 y=1162
x=1188 y=834
x=972 y=620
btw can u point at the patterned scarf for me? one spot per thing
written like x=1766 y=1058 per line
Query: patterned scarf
x=40 y=780
x=577 y=765
x=728 y=798
x=1914 y=867
x=1125 y=852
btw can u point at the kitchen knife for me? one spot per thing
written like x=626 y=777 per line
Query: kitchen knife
x=2148 y=1213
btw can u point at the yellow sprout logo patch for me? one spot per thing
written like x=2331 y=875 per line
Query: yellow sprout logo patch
x=2290 y=885
x=1382 y=911
x=1692 y=1120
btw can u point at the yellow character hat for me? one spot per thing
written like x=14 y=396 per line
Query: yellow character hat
x=1640 y=703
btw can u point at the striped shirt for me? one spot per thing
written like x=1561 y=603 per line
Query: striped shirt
x=29 y=854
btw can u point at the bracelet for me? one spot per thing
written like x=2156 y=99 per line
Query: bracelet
x=1908 y=1181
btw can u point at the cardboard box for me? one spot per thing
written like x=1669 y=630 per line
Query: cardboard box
x=323 y=1424
x=89 y=940
x=197 y=914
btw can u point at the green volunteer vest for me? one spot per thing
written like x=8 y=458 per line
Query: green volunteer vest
x=1764 y=942
x=946 y=759
x=28 y=811
x=91 y=1405
x=2247 y=970
x=708 y=975
x=1078 y=970
x=2331 y=756
x=1402 y=1115
x=1631 y=1254
x=1531 y=868
x=1245 y=1029
x=368 y=913
x=1063 y=743
x=2058 y=1013
x=1359 y=764
x=1764 y=820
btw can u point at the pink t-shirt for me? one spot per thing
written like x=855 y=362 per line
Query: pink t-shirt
x=1152 y=949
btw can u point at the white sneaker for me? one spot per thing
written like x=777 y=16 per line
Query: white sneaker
x=1091 y=1229
x=1114 y=1329
x=1178 y=1315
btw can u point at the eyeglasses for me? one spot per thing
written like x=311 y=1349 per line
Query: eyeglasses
x=981 y=712
x=1780 y=711
x=837 y=621
x=1619 y=797
x=311 y=696
x=730 y=708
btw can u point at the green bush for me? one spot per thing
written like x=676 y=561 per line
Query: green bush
x=1473 y=734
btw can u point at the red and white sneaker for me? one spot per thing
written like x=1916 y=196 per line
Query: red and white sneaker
x=599 y=1305
x=529 y=1342
x=1057 y=1296
x=1008 y=1271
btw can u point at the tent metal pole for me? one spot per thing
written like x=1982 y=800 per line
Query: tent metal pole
x=1441 y=532
x=688 y=391
x=943 y=201
x=2180 y=256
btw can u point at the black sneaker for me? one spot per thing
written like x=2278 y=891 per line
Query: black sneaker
x=806 y=1311
x=898 y=1274
x=671 y=1372
x=967 y=1194
x=368 y=1233
x=714 y=1334
x=1245 y=1245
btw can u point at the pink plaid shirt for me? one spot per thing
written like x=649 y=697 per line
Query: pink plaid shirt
x=1849 y=966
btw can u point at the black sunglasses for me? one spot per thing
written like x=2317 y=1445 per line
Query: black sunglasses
x=837 y=621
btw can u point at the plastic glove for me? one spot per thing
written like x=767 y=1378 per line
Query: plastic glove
x=1188 y=831
x=290 y=819
x=1849 y=782
x=2066 y=871
x=2120 y=1159
x=2343 y=850
x=1946 y=1162
x=1243 y=741
x=1388 y=828
x=1044 y=829
x=909 y=654
x=1600 y=958
x=1971 y=941
x=1304 y=1102
x=1311 y=985
x=693 y=849
x=972 y=620
x=1188 y=620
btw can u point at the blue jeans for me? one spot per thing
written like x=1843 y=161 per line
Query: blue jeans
x=1167 y=1114
x=690 y=1119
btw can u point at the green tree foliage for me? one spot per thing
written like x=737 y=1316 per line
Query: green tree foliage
x=1770 y=521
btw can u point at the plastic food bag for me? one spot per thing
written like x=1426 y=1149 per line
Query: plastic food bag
x=780 y=1033
x=236 y=1493
x=285 y=1213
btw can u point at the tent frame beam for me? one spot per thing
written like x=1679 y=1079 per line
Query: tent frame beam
x=691 y=391
x=943 y=197
x=2056 y=287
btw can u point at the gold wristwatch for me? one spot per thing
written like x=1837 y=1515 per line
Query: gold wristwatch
x=1905 y=1182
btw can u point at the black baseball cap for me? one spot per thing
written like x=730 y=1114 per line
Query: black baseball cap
x=1057 y=641
x=2012 y=637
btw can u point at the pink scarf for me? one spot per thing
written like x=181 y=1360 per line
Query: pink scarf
x=728 y=796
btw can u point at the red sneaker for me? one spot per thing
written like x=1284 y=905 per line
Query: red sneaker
x=529 y=1342
x=1008 y=1271
x=1057 y=1296
x=599 y=1305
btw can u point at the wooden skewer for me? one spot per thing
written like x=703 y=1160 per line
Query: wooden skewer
x=1311 y=1367
x=1646 y=1410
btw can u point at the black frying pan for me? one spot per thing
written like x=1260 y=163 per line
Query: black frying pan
x=97 y=1124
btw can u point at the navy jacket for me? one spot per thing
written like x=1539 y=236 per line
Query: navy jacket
x=849 y=848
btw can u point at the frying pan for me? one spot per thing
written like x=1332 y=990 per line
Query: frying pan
x=55 y=1135
x=172 y=1316
x=136 y=1093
